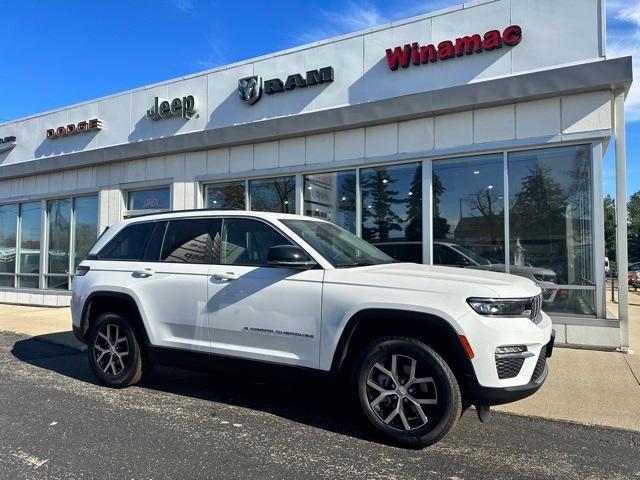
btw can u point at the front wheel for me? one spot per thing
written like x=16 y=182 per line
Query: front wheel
x=114 y=351
x=407 y=391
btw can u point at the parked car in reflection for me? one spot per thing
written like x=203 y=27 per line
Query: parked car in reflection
x=453 y=254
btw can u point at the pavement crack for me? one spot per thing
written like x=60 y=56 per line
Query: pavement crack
x=626 y=360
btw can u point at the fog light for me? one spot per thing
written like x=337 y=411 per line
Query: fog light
x=511 y=349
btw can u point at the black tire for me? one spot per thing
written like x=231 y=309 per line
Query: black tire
x=443 y=389
x=126 y=365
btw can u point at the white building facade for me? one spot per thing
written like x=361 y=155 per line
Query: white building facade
x=472 y=136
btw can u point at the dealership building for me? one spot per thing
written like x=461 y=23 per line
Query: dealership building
x=473 y=136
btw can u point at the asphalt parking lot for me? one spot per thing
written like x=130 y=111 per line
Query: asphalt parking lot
x=57 y=423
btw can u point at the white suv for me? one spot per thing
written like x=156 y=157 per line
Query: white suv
x=416 y=343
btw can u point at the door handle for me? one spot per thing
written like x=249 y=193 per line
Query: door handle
x=147 y=272
x=227 y=276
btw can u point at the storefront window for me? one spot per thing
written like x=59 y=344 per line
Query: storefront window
x=273 y=195
x=468 y=212
x=225 y=196
x=153 y=199
x=392 y=210
x=332 y=197
x=85 y=228
x=59 y=215
x=30 y=234
x=8 y=229
x=550 y=224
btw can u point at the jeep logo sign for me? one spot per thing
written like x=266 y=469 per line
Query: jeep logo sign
x=183 y=107
x=251 y=88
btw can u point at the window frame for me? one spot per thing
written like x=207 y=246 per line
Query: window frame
x=131 y=213
x=44 y=283
x=245 y=185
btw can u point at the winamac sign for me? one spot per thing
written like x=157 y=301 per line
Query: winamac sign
x=415 y=54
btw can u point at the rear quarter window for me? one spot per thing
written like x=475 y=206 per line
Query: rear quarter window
x=138 y=241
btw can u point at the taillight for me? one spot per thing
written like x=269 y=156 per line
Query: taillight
x=82 y=270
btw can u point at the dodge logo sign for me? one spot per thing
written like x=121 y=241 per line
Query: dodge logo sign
x=250 y=88
x=73 y=128
x=7 y=143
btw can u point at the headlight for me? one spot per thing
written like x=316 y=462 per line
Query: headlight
x=508 y=307
x=543 y=277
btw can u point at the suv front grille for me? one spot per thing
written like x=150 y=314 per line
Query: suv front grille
x=508 y=367
x=542 y=361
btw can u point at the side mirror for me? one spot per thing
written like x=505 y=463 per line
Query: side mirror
x=289 y=256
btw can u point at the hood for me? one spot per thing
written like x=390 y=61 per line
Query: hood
x=436 y=278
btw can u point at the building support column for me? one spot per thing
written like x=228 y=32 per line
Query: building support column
x=622 y=258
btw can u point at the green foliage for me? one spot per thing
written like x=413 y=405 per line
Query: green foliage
x=610 y=227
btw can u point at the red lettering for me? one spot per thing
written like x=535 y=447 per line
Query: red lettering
x=445 y=50
x=492 y=40
x=415 y=53
x=428 y=53
x=512 y=35
x=468 y=45
x=399 y=57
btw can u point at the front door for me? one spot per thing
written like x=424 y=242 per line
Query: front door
x=257 y=311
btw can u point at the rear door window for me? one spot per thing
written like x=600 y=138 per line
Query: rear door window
x=192 y=240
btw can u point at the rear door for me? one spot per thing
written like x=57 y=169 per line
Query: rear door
x=258 y=311
x=173 y=289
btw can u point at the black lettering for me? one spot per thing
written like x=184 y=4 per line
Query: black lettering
x=294 y=81
x=313 y=77
x=164 y=109
x=273 y=86
x=188 y=106
x=152 y=113
x=326 y=74
x=176 y=107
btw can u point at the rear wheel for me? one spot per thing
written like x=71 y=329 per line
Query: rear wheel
x=114 y=351
x=407 y=391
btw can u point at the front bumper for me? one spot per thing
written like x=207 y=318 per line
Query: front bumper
x=481 y=395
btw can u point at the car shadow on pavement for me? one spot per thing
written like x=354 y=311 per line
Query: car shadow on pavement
x=307 y=400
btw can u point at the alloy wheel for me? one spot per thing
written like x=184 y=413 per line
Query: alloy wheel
x=398 y=396
x=111 y=349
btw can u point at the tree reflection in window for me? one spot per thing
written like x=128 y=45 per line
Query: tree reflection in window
x=273 y=195
x=392 y=210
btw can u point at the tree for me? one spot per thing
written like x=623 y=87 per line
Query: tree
x=440 y=225
x=490 y=206
x=633 y=208
x=379 y=199
x=539 y=209
x=414 y=207
x=610 y=227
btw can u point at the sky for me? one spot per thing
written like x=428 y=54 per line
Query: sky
x=55 y=55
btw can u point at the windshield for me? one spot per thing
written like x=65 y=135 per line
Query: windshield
x=338 y=246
